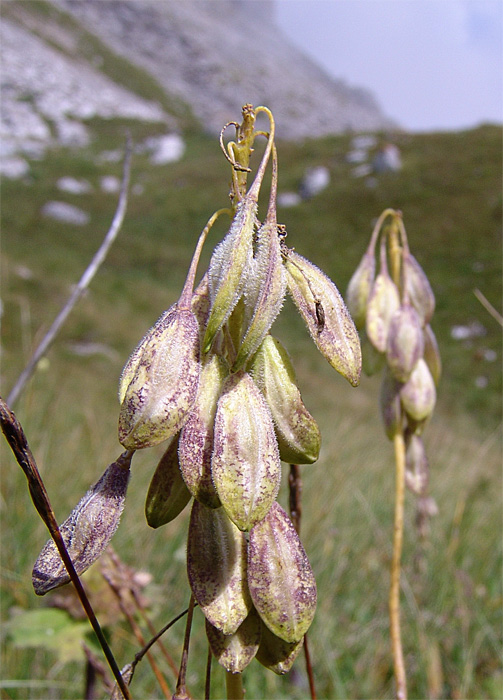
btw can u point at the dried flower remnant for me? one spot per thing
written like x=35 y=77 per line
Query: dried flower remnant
x=88 y=530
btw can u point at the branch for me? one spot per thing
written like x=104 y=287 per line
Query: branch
x=83 y=283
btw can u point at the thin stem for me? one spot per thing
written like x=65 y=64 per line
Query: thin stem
x=82 y=285
x=181 y=689
x=488 y=306
x=394 y=594
x=18 y=443
x=207 y=682
x=234 y=685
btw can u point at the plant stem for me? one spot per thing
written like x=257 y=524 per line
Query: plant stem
x=394 y=594
x=234 y=684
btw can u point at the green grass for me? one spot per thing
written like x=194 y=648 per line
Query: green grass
x=450 y=195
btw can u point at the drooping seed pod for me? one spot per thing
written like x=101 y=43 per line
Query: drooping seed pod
x=383 y=301
x=266 y=286
x=159 y=383
x=359 y=287
x=325 y=315
x=228 y=265
x=389 y=403
x=167 y=494
x=276 y=654
x=245 y=466
x=216 y=566
x=235 y=651
x=88 y=530
x=405 y=344
x=196 y=439
x=418 y=288
x=432 y=354
x=280 y=578
x=297 y=432
x=416 y=463
x=418 y=395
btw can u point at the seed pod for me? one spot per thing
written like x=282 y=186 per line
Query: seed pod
x=216 y=566
x=201 y=303
x=159 y=383
x=276 y=654
x=389 y=402
x=88 y=530
x=228 y=265
x=268 y=282
x=432 y=354
x=167 y=494
x=246 y=467
x=372 y=360
x=418 y=395
x=297 y=432
x=382 y=304
x=416 y=462
x=196 y=440
x=359 y=287
x=418 y=288
x=405 y=343
x=235 y=651
x=325 y=315
x=280 y=578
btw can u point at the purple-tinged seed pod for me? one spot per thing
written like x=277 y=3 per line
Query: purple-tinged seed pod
x=383 y=301
x=276 y=654
x=297 y=432
x=405 y=344
x=196 y=440
x=325 y=314
x=246 y=467
x=159 y=383
x=280 y=578
x=359 y=287
x=389 y=403
x=167 y=494
x=418 y=395
x=216 y=567
x=432 y=354
x=235 y=651
x=418 y=288
x=88 y=530
x=416 y=464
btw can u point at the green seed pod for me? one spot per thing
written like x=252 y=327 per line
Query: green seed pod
x=418 y=395
x=389 y=402
x=235 y=651
x=416 y=463
x=280 y=578
x=432 y=354
x=405 y=343
x=418 y=288
x=297 y=432
x=159 y=383
x=359 y=288
x=167 y=494
x=383 y=301
x=228 y=266
x=216 y=566
x=276 y=654
x=196 y=440
x=88 y=530
x=266 y=288
x=246 y=466
x=325 y=315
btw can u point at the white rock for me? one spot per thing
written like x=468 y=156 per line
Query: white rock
x=68 y=213
x=363 y=141
x=315 y=180
x=110 y=184
x=168 y=148
x=14 y=167
x=289 y=199
x=73 y=185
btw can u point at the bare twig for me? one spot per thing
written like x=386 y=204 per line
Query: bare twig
x=83 y=283
x=18 y=443
x=488 y=306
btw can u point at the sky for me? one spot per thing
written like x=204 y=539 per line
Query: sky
x=431 y=64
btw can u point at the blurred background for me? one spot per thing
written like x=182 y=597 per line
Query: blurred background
x=377 y=104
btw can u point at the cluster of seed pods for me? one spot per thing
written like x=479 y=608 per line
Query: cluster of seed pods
x=212 y=382
x=393 y=313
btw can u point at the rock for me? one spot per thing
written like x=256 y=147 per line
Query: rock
x=14 y=167
x=73 y=185
x=67 y=213
x=168 y=148
x=387 y=159
x=315 y=180
x=289 y=199
x=110 y=184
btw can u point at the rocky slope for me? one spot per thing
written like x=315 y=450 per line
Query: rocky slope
x=211 y=56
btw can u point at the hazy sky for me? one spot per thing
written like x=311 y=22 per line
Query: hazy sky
x=432 y=64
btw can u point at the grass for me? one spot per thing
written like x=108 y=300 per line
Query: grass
x=449 y=191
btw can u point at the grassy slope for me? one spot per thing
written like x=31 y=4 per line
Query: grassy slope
x=449 y=192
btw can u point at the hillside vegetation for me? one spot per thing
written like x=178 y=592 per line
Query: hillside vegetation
x=449 y=191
